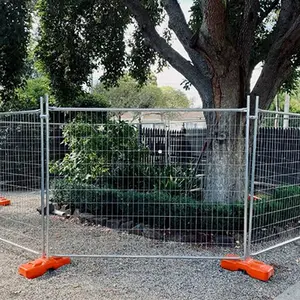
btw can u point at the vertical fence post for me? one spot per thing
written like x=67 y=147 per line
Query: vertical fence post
x=42 y=116
x=252 y=178
x=286 y=110
x=246 y=176
x=166 y=144
x=47 y=175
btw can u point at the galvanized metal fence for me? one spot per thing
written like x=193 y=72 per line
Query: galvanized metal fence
x=276 y=181
x=20 y=179
x=237 y=192
x=113 y=176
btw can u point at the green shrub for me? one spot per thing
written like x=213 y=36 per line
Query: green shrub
x=157 y=209
x=163 y=210
x=110 y=154
x=97 y=151
x=281 y=207
x=287 y=192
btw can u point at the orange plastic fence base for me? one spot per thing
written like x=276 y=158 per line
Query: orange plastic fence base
x=253 y=268
x=41 y=265
x=4 y=201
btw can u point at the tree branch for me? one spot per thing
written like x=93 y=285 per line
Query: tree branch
x=214 y=24
x=191 y=73
x=288 y=44
x=290 y=10
x=269 y=82
x=278 y=64
x=178 y=24
x=288 y=13
x=247 y=32
x=212 y=39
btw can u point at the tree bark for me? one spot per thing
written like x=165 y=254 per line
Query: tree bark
x=225 y=169
x=225 y=180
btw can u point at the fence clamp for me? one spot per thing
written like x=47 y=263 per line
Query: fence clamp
x=253 y=117
x=44 y=116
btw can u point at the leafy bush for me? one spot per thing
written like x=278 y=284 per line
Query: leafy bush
x=85 y=99
x=287 y=192
x=157 y=209
x=172 y=179
x=97 y=150
x=162 y=210
x=283 y=206
x=110 y=154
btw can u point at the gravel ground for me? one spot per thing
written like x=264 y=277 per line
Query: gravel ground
x=125 y=278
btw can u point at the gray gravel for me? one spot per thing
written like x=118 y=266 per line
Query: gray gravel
x=125 y=278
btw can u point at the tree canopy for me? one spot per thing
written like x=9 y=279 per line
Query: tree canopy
x=128 y=93
x=14 y=36
x=224 y=40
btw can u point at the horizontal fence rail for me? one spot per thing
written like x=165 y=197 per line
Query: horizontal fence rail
x=152 y=110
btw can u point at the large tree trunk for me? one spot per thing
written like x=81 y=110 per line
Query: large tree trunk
x=225 y=169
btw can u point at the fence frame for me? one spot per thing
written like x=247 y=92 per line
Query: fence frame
x=246 y=176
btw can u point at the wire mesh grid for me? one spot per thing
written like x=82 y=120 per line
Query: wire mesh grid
x=20 y=178
x=276 y=214
x=138 y=178
x=132 y=180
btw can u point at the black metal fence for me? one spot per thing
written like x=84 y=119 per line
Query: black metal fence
x=277 y=161
x=278 y=155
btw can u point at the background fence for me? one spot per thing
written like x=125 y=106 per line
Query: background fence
x=20 y=150
x=277 y=159
x=278 y=156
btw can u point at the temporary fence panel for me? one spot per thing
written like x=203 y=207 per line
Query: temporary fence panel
x=136 y=191
x=179 y=187
x=276 y=207
x=20 y=179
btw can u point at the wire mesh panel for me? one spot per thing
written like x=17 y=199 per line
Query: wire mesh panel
x=20 y=178
x=130 y=188
x=276 y=207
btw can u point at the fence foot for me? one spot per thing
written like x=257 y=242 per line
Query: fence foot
x=41 y=265
x=4 y=201
x=253 y=268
